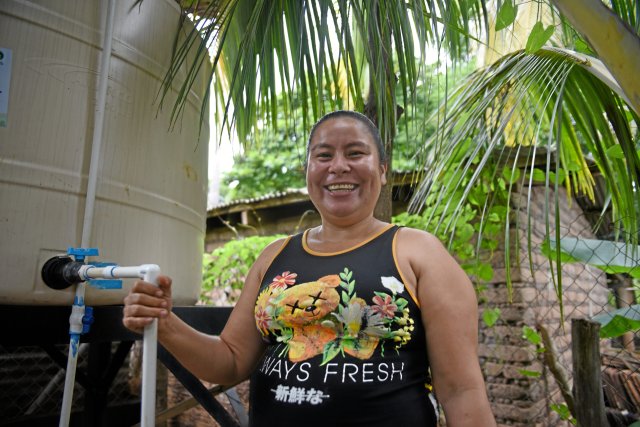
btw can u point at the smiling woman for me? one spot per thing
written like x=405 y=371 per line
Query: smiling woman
x=355 y=322
x=345 y=171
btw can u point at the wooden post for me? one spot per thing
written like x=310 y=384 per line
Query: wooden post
x=622 y=285
x=587 y=374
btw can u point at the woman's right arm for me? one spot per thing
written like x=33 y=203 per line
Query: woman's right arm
x=225 y=359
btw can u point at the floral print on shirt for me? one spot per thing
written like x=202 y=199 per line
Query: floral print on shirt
x=327 y=317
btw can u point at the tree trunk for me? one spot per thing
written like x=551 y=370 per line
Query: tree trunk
x=379 y=45
x=384 y=208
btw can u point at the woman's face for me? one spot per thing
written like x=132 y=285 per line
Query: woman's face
x=344 y=174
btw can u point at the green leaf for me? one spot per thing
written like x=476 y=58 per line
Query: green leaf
x=490 y=316
x=345 y=298
x=548 y=249
x=331 y=350
x=562 y=410
x=615 y=152
x=465 y=232
x=533 y=374
x=401 y=303
x=610 y=257
x=506 y=15
x=531 y=335
x=619 y=322
x=494 y=217
x=616 y=269
x=511 y=176
x=539 y=175
x=573 y=166
x=484 y=271
x=582 y=47
x=538 y=37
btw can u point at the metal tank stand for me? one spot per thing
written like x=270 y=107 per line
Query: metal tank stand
x=47 y=327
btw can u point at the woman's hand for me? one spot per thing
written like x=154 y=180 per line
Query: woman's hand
x=146 y=302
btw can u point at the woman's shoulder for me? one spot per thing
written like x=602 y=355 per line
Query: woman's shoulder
x=413 y=237
x=423 y=250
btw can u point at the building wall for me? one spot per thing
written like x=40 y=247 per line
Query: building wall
x=286 y=219
x=276 y=216
x=518 y=399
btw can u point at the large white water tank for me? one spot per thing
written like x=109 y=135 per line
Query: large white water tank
x=151 y=192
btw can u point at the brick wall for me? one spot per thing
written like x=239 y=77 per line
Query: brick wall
x=518 y=399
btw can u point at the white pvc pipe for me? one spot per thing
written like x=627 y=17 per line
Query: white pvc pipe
x=69 y=380
x=149 y=357
x=149 y=273
x=98 y=125
x=88 y=272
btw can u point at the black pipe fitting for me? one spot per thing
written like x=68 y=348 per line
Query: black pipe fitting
x=61 y=272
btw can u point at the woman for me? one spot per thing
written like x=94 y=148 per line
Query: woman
x=341 y=325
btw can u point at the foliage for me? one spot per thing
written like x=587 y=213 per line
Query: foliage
x=531 y=335
x=274 y=165
x=490 y=316
x=358 y=52
x=610 y=257
x=474 y=227
x=363 y=54
x=563 y=411
x=274 y=159
x=226 y=268
x=421 y=123
x=619 y=322
x=550 y=107
x=474 y=232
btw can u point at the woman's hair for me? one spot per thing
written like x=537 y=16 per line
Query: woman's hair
x=373 y=130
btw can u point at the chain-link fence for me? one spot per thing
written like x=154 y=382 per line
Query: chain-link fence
x=32 y=383
x=527 y=354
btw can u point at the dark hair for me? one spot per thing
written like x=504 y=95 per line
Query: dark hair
x=373 y=130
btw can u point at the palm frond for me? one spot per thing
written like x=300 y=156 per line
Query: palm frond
x=554 y=100
x=322 y=54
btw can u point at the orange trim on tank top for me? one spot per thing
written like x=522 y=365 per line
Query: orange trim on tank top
x=364 y=242
x=402 y=278
x=284 y=244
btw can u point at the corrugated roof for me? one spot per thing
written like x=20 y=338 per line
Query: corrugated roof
x=291 y=195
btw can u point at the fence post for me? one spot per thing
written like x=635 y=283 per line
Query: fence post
x=587 y=374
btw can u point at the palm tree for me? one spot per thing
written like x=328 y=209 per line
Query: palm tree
x=323 y=55
x=565 y=103
x=360 y=54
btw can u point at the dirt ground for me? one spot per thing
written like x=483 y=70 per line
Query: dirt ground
x=197 y=416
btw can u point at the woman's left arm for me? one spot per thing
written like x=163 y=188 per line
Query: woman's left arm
x=450 y=316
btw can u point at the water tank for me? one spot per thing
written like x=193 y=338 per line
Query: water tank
x=151 y=192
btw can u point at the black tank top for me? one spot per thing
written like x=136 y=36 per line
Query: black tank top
x=346 y=345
